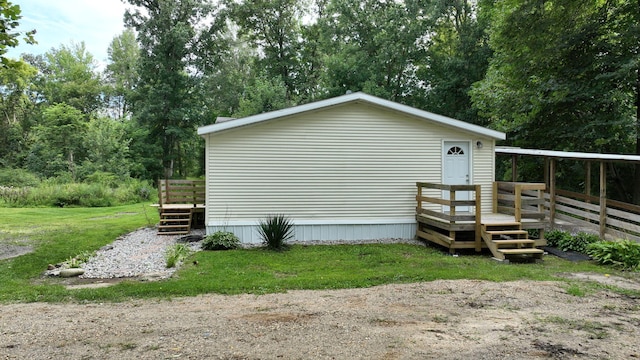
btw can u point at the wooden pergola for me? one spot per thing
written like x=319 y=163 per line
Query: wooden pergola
x=550 y=165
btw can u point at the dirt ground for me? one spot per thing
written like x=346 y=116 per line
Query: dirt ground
x=460 y=319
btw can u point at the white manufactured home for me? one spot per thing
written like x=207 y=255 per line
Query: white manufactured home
x=344 y=168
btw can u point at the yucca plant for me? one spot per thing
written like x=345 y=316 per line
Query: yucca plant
x=275 y=231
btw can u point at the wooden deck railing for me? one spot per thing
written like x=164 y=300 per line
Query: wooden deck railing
x=452 y=202
x=614 y=218
x=522 y=200
x=181 y=192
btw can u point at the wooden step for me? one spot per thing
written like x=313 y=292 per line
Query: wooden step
x=514 y=242
x=173 y=232
x=164 y=221
x=176 y=214
x=506 y=232
x=521 y=251
x=501 y=223
x=171 y=226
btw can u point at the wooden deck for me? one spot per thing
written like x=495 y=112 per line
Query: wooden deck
x=517 y=209
x=181 y=204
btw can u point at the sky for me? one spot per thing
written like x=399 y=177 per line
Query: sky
x=63 y=22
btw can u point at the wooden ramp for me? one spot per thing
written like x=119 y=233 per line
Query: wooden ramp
x=506 y=239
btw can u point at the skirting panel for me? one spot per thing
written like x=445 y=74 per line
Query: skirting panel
x=248 y=234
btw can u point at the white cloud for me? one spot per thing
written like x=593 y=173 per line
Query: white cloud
x=61 y=22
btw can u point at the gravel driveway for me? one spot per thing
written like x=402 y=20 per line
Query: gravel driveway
x=460 y=319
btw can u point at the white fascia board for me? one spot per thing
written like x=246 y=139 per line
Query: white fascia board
x=566 y=154
x=359 y=96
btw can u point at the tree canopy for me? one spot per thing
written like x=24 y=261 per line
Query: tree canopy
x=559 y=75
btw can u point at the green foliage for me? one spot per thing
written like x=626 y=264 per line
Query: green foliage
x=221 y=240
x=555 y=237
x=122 y=72
x=624 y=254
x=68 y=76
x=17 y=178
x=578 y=242
x=275 y=231
x=104 y=190
x=176 y=254
x=167 y=100
x=9 y=16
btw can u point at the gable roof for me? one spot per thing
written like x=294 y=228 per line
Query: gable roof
x=358 y=97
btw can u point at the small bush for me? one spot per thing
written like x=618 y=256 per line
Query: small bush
x=176 y=254
x=18 y=178
x=578 y=242
x=275 y=231
x=555 y=237
x=221 y=240
x=623 y=253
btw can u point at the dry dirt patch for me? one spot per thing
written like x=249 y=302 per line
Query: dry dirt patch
x=461 y=319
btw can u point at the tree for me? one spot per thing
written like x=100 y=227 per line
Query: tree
x=59 y=138
x=122 y=72
x=457 y=56
x=167 y=101
x=371 y=46
x=9 y=16
x=68 y=75
x=274 y=27
x=15 y=109
x=563 y=75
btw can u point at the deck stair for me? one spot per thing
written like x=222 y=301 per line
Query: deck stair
x=175 y=221
x=508 y=239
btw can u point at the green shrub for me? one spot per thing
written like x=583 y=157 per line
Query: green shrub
x=176 y=254
x=59 y=192
x=18 y=178
x=578 y=242
x=555 y=237
x=623 y=253
x=275 y=231
x=221 y=240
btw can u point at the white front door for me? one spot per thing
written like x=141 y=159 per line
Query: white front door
x=456 y=170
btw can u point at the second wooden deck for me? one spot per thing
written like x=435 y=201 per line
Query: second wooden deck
x=515 y=227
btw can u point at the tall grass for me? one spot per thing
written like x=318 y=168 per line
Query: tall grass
x=54 y=194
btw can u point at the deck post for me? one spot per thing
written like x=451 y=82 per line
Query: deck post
x=495 y=196
x=603 y=199
x=587 y=182
x=478 y=237
x=552 y=192
x=517 y=211
x=514 y=167
x=419 y=197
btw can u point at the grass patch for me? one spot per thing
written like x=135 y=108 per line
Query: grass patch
x=57 y=234
x=60 y=233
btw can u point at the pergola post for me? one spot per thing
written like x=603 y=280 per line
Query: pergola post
x=587 y=182
x=552 y=192
x=514 y=168
x=603 y=199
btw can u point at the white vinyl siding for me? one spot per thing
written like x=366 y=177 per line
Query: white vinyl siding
x=354 y=163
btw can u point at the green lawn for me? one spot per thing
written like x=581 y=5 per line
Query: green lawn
x=58 y=234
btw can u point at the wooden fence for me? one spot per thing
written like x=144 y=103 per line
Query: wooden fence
x=613 y=218
x=181 y=192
